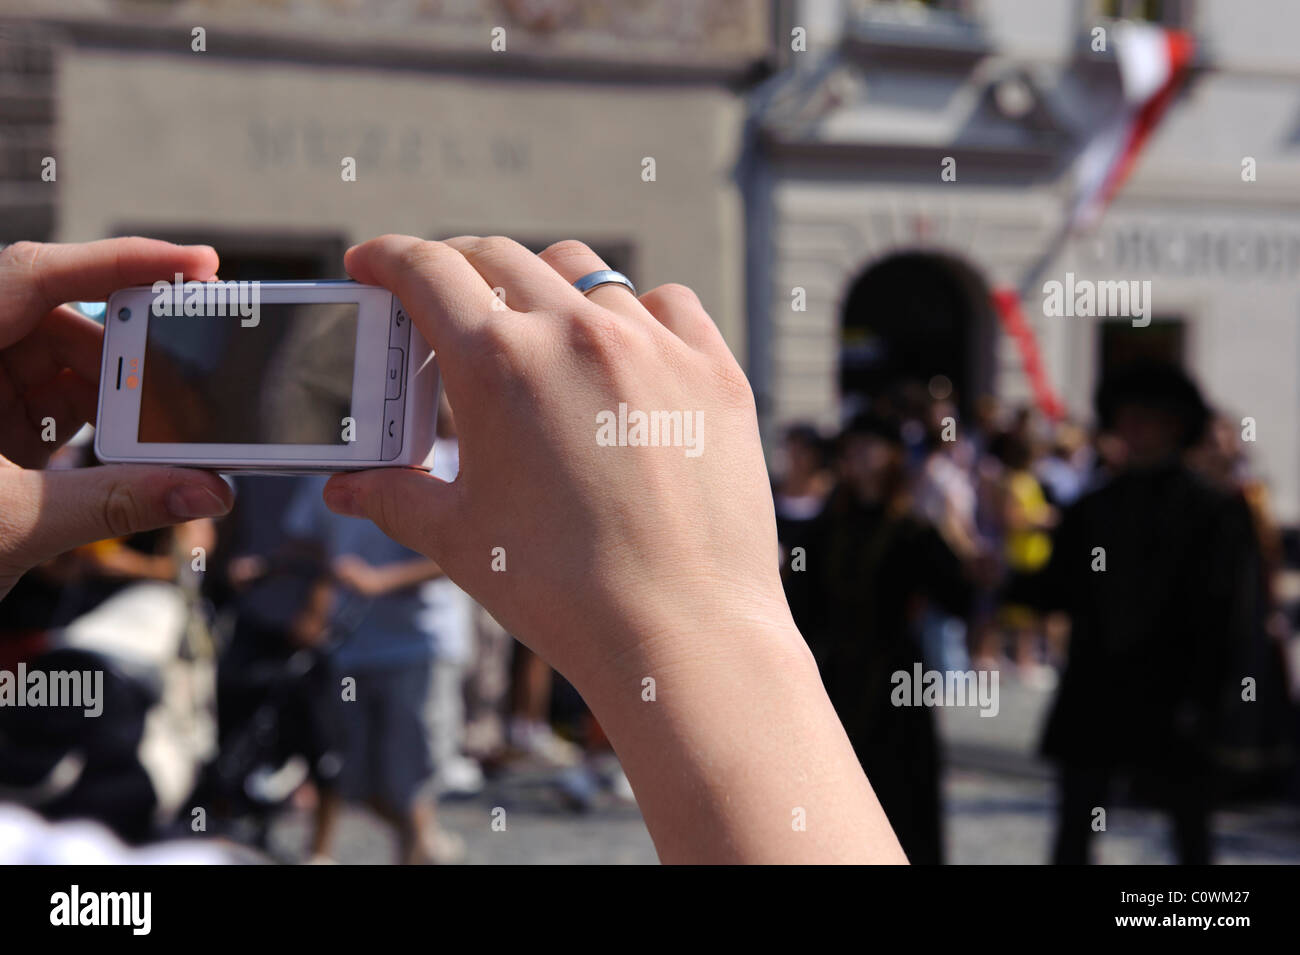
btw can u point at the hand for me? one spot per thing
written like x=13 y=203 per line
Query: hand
x=593 y=537
x=356 y=575
x=49 y=368
x=623 y=563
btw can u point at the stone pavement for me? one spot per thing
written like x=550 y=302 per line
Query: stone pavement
x=999 y=801
x=541 y=827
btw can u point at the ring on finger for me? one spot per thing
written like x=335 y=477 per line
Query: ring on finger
x=594 y=280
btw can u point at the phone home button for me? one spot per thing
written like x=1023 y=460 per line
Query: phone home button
x=393 y=378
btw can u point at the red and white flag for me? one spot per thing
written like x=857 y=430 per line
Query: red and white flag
x=1006 y=302
x=1153 y=62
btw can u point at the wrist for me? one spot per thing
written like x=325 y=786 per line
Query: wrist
x=728 y=739
x=688 y=645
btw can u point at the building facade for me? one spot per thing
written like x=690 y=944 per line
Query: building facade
x=865 y=261
x=232 y=122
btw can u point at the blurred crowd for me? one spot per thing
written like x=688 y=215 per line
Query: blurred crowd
x=285 y=658
x=1134 y=569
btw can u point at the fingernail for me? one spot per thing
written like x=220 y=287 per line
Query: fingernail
x=190 y=501
x=342 y=501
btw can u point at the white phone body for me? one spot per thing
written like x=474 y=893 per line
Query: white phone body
x=300 y=377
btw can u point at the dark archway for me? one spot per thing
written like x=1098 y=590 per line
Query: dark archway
x=910 y=317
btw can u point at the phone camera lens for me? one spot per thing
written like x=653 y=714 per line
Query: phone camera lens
x=124 y=314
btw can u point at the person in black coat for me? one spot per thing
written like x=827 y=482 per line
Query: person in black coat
x=1157 y=571
x=875 y=566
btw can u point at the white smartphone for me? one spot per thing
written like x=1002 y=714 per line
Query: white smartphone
x=280 y=377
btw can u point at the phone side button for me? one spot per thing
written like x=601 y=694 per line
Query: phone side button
x=393 y=377
x=399 y=327
x=391 y=445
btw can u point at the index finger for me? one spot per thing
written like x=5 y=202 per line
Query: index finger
x=36 y=277
x=444 y=293
x=62 y=339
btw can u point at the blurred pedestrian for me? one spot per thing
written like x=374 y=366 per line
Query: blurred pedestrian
x=1027 y=520
x=944 y=498
x=1065 y=470
x=799 y=495
x=273 y=607
x=487 y=688
x=449 y=619
x=1155 y=570
x=385 y=674
x=1257 y=748
x=879 y=566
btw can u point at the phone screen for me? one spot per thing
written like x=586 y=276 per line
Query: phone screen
x=285 y=380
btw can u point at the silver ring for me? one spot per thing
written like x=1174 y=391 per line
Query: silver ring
x=594 y=280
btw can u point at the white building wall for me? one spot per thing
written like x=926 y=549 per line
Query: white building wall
x=1241 y=324
x=829 y=232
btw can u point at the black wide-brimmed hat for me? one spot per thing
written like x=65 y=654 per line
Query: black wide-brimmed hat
x=1158 y=385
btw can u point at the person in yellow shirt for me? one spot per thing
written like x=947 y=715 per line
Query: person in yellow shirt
x=1028 y=518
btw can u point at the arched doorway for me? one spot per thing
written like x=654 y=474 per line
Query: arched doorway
x=913 y=316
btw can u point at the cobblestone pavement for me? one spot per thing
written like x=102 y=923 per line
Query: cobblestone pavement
x=991 y=819
x=994 y=819
x=999 y=803
x=540 y=827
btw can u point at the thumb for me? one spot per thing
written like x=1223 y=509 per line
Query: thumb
x=411 y=506
x=49 y=512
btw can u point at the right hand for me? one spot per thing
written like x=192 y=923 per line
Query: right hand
x=624 y=564
x=614 y=557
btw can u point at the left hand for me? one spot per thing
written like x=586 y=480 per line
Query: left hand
x=49 y=369
x=356 y=575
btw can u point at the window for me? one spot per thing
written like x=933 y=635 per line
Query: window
x=1170 y=13
x=1121 y=343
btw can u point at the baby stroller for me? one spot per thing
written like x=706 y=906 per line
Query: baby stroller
x=131 y=766
x=275 y=729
